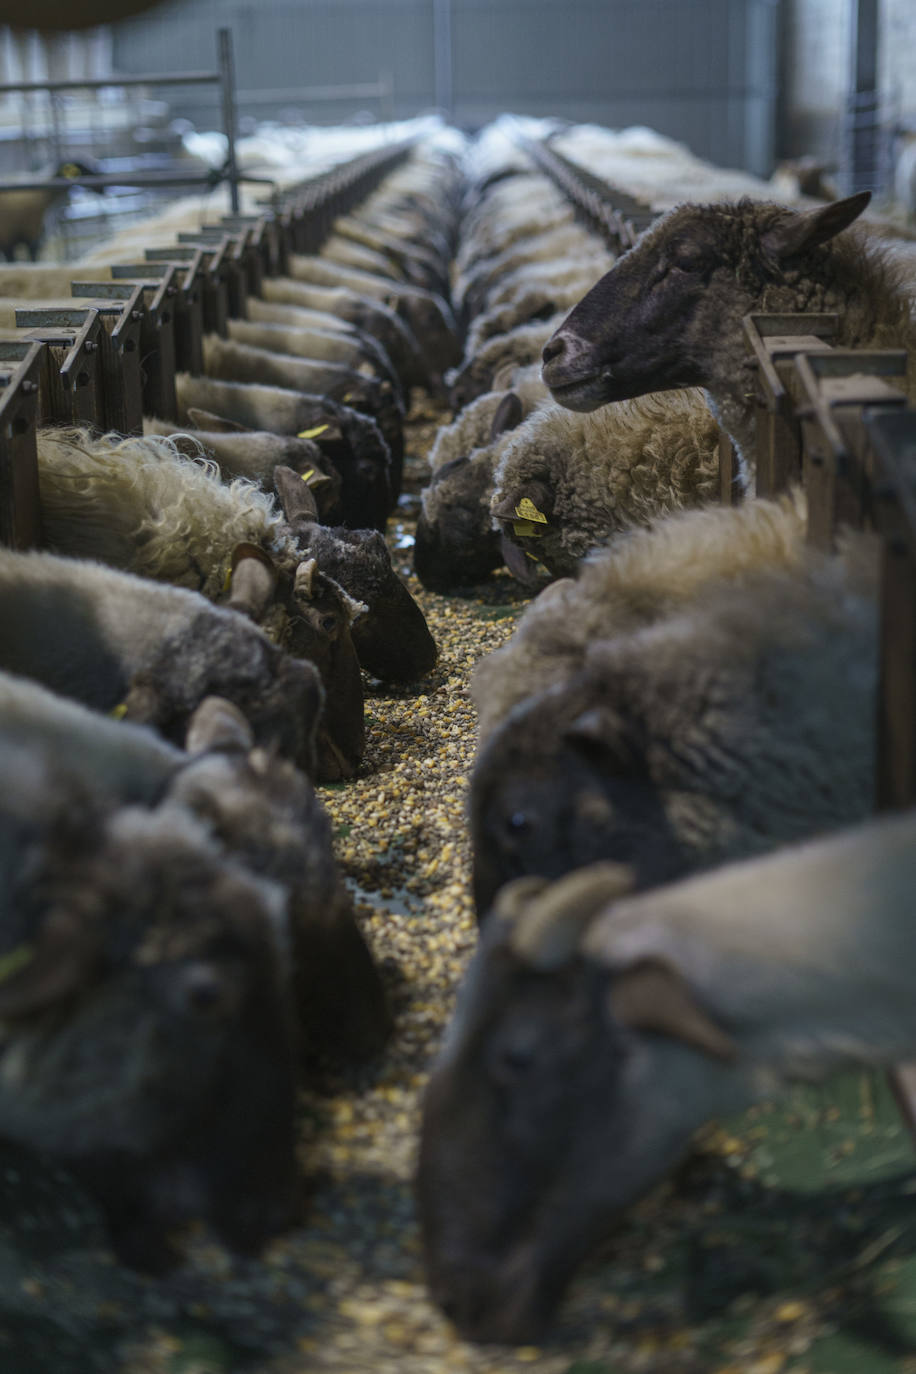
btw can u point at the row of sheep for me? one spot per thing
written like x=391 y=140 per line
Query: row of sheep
x=695 y=691
x=178 y=946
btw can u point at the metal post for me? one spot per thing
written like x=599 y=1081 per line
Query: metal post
x=227 y=93
x=863 y=171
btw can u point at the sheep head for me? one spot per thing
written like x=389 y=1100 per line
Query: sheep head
x=669 y=312
x=564 y=1090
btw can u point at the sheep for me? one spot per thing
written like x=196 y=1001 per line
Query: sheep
x=251 y=453
x=150 y=650
x=281 y=295
x=669 y=313
x=519 y=347
x=586 y=477
x=146 y=1039
x=23 y=212
x=596 y=1031
x=686 y=740
x=360 y=352
x=533 y=301
x=231 y=361
x=428 y=315
x=392 y=640
x=263 y=813
x=550 y=245
x=455 y=543
x=139 y=505
x=647 y=575
x=350 y=439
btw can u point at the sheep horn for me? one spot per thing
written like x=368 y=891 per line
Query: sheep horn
x=252 y=581
x=304 y=580
x=549 y=933
x=514 y=896
x=218 y=724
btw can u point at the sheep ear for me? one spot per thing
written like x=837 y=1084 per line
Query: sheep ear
x=34 y=977
x=523 y=568
x=651 y=995
x=216 y=424
x=507 y=416
x=798 y=232
x=531 y=504
x=295 y=495
x=218 y=724
x=142 y=704
x=602 y=731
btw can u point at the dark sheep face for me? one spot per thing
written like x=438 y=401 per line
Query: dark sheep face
x=545 y=801
x=535 y=1133
x=455 y=543
x=669 y=312
x=162 y=1072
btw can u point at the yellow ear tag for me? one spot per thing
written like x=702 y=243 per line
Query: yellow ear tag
x=69 y=170
x=16 y=959
x=527 y=510
x=227 y=580
x=119 y=712
x=307 y=475
x=348 y=398
x=528 y=528
x=312 y=433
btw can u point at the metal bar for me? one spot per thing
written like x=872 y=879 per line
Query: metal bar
x=20 y=505
x=105 y=83
x=227 y=99
x=98 y=180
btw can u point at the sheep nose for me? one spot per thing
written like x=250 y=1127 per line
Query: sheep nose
x=554 y=348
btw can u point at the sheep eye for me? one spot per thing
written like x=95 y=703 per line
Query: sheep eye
x=518 y=822
x=204 y=991
x=329 y=624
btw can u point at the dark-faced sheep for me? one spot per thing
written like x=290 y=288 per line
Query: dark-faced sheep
x=155 y=650
x=139 y=505
x=596 y=1032
x=352 y=441
x=690 y=739
x=146 y=1021
x=669 y=313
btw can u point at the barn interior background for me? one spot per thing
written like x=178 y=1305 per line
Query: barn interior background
x=789 y=1242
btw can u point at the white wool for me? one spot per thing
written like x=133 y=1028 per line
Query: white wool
x=141 y=505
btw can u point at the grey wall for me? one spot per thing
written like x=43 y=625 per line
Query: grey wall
x=703 y=71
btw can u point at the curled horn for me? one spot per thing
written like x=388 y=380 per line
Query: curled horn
x=252 y=581
x=549 y=933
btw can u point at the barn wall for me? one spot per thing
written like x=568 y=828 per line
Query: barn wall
x=703 y=71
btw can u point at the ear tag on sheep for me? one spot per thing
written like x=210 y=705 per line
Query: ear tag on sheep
x=227 y=581
x=16 y=959
x=527 y=528
x=527 y=510
x=307 y=475
x=119 y=712
x=348 y=398
x=312 y=433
